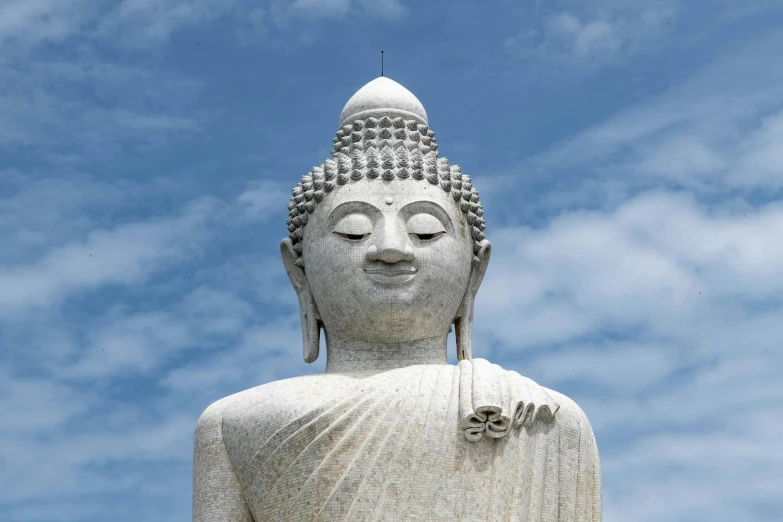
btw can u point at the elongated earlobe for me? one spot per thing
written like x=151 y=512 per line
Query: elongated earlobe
x=463 y=327
x=308 y=311
x=311 y=331
x=463 y=322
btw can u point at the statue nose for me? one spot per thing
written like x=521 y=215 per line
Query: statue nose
x=392 y=247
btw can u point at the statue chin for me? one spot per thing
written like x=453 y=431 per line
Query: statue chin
x=386 y=253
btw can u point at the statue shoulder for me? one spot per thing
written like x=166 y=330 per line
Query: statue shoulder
x=571 y=417
x=566 y=411
x=216 y=492
x=497 y=400
x=208 y=427
x=260 y=411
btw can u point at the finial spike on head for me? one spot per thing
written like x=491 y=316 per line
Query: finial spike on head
x=381 y=62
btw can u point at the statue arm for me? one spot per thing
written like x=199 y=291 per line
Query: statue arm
x=580 y=479
x=597 y=493
x=589 y=470
x=217 y=496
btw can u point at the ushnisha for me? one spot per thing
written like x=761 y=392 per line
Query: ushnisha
x=386 y=253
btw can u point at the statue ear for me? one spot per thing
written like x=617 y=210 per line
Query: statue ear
x=308 y=312
x=463 y=322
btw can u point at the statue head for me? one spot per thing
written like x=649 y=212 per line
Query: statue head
x=386 y=238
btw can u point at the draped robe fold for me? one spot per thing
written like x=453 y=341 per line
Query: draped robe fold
x=390 y=446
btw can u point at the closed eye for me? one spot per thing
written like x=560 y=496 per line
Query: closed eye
x=425 y=227
x=354 y=228
x=426 y=237
x=352 y=237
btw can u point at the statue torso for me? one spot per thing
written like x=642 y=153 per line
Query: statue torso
x=390 y=446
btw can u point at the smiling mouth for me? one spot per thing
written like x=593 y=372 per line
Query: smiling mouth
x=391 y=274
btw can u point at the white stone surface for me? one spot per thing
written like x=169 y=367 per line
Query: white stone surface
x=386 y=253
x=383 y=97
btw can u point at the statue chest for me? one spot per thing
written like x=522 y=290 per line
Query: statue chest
x=389 y=447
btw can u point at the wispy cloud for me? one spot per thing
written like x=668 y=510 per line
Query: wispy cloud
x=44 y=106
x=283 y=19
x=137 y=23
x=315 y=9
x=123 y=255
x=141 y=23
x=715 y=133
x=584 y=37
x=263 y=353
x=259 y=198
x=36 y=21
x=127 y=343
x=321 y=8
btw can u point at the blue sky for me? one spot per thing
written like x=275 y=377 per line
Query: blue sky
x=629 y=157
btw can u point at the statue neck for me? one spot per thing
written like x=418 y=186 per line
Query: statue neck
x=345 y=355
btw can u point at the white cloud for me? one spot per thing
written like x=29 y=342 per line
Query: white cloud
x=133 y=22
x=261 y=276
x=261 y=200
x=44 y=104
x=384 y=8
x=264 y=353
x=718 y=131
x=622 y=367
x=590 y=36
x=285 y=16
x=36 y=471
x=124 y=344
x=691 y=470
x=129 y=344
x=321 y=8
x=314 y=9
x=123 y=255
x=656 y=262
x=146 y=122
x=585 y=39
x=48 y=212
x=759 y=161
x=41 y=20
x=37 y=405
x=146 y=23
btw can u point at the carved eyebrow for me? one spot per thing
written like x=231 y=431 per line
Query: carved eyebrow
x=351 y=207
x=428 y=207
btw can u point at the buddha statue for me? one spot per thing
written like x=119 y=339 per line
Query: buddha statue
x=386 y=253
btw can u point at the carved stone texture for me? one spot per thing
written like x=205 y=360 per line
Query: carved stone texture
x=386 y=253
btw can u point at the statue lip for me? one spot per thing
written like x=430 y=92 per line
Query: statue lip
x=391 y=274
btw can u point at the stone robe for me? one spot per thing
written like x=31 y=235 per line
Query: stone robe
x=391 y=446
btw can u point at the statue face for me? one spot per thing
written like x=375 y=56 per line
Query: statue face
x=387 y=262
